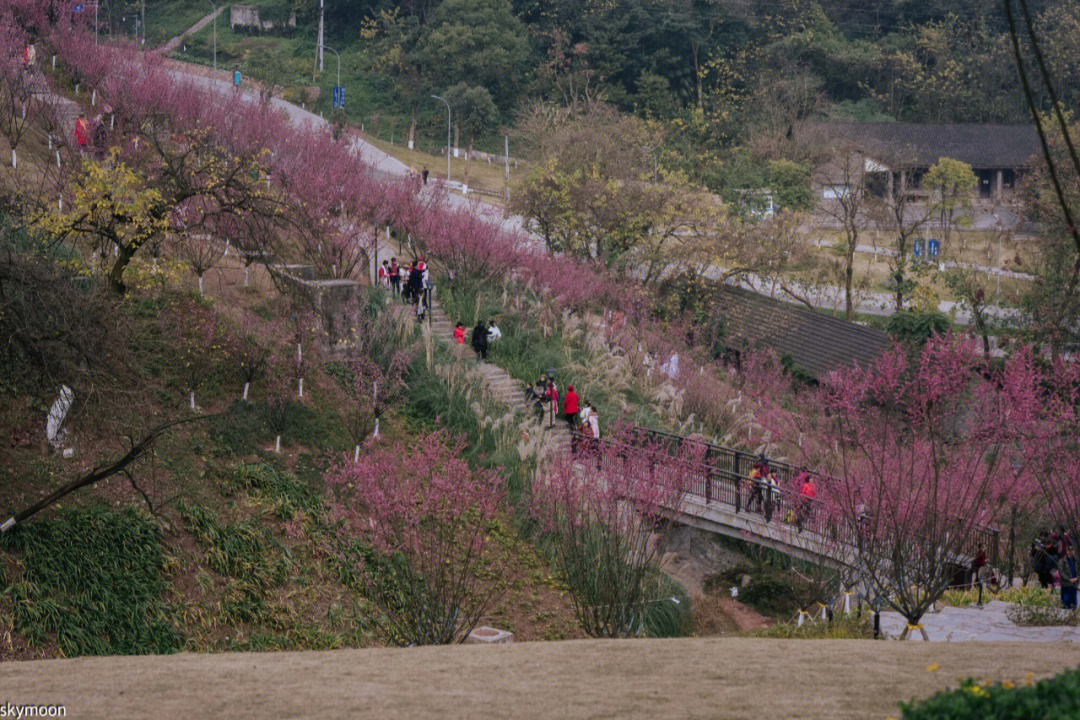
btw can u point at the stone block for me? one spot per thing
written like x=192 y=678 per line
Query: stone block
x=485 y=635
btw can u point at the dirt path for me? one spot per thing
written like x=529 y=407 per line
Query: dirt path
x=705 y=678
x=175 y=42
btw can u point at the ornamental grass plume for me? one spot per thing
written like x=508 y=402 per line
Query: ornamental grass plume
x=601 y=509
x=429 y=517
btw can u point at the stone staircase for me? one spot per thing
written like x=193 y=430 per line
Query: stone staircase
x=502 y=387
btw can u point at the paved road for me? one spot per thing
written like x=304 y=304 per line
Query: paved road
x=829 y=297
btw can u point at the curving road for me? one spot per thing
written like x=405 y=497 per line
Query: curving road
x=826 y=297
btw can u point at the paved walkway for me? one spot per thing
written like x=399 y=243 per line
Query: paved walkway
x=500 y=384
x=968 y=624
x=174 y=43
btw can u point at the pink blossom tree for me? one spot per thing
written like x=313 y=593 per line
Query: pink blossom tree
x=1052 y=445
x=428 y=516
x=924 y=458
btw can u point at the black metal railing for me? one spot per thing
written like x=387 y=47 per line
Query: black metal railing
x=723 y=477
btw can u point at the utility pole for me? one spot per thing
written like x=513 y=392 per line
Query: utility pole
x=143 y=44
x=506 y=155
x=322 y=26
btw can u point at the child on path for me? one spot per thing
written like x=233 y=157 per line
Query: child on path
x=459 y=336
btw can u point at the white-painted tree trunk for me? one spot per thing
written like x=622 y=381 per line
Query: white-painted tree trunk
x=245 y=276
x=200 y=285
x=50 y=141
x=277 y=444
x=376 y=435
x=191 y=400
x=300 y=388
x=356 y=454
x=245 y=395
x=57 y=158
x=93 y=97
x=14 y=159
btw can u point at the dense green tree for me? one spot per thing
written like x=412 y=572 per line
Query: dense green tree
x=475 y=113
x=480 y=42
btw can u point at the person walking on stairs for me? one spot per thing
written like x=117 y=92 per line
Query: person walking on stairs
x=459 y=335
x=479 y=340
x=570 y=408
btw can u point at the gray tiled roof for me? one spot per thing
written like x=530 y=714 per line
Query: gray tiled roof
x=815 y=341
x=979 y=145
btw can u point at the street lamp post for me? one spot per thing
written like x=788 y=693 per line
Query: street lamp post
x=447 y=138
x=327 y=47
x=215 y=31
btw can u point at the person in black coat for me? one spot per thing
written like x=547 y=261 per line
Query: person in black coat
x=479 y=339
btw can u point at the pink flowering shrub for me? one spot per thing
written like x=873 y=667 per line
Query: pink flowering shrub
x=429 y=517
x=601 y=508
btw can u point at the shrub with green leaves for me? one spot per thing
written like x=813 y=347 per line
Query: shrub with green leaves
x=91 y=581
x=1057 y=697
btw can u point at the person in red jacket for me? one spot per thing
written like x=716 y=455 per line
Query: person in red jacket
x=82 y=132
x=459 y=334
x=570 y=407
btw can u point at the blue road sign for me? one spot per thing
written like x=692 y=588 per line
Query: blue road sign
x=79 y=8
x=337 y=97
x=917 y=248
x=934 y=247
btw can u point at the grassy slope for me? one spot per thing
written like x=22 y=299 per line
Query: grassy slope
x=729 y=678
x=240 y=559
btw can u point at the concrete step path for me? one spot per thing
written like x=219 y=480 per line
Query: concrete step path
x=500 y=384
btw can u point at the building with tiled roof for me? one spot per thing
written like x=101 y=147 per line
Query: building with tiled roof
x=809 y=340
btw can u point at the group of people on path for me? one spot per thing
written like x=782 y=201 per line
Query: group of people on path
x=763 y=492
x=1053 y=553
x=484 y=336
x=580 y=415
x=89 y=134
x=412 y=283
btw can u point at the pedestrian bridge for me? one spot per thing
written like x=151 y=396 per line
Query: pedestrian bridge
x=721 y=499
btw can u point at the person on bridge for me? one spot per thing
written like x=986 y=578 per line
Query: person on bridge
x=570 y=408
x=753 y=486
x=807 y=494
x=772 y=491
x=1067 y=571
x=479 y=340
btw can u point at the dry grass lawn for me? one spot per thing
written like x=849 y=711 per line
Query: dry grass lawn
x=704 y=678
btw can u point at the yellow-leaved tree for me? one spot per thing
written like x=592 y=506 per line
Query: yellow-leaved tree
x=112 y=210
